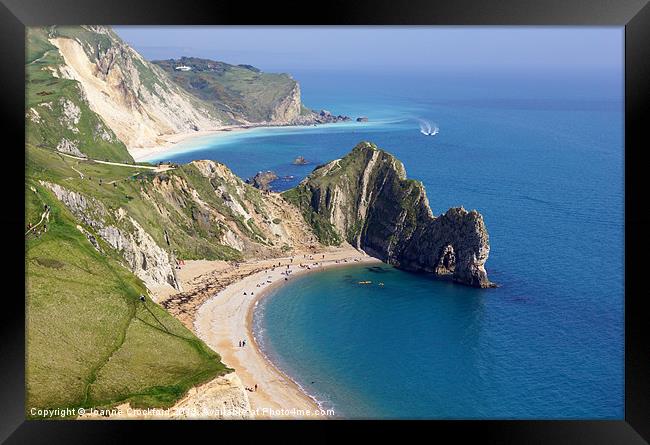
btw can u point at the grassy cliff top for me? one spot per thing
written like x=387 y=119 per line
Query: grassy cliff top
x=242 y=89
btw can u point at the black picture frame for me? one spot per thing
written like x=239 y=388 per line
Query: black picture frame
x=634 y=15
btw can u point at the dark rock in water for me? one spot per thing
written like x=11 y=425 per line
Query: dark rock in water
x=262 y=180
x=326 y=117
x=300 y=161
x=365 y=199
x=362 y=119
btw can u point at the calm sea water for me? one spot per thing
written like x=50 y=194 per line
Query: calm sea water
x=540 y=155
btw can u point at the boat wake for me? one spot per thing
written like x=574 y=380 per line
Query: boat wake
x=428 y=128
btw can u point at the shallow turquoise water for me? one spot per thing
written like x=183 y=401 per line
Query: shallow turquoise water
x=541 y=157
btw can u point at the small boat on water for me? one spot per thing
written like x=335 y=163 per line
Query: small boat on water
x=433 y=132
x=428 y=128
x=365 y=282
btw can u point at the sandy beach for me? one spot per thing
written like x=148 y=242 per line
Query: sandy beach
x=167 y=143
x=215 y=307
x=225 y=319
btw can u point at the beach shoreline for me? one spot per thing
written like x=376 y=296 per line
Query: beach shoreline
x=169 y=144
x=250 y=316
x=227 y=318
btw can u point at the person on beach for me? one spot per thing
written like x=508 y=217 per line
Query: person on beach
x=240 y=343
x=256 y=387
x=243 y=342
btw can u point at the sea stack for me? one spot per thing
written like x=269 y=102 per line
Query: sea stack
x=300 y=161
x=366 y=199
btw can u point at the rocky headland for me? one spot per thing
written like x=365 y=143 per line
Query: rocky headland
x=365 y=199
x=263 y=180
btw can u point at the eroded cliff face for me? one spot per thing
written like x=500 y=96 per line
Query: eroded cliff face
x=366 y=199
x=287 y=111
x=146 y=259
x=198 y=211
x=135 y=98
x=267 y=225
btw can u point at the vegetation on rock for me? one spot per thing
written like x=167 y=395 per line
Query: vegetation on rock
x=366 y=199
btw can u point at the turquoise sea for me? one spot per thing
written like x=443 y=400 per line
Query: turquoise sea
x=540 y=155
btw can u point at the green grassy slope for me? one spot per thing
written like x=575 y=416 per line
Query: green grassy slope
x=90 y=341
x=123 y=187
x=241 y=89
x=46 y=100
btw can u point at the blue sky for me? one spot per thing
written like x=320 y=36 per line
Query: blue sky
x=425 y=49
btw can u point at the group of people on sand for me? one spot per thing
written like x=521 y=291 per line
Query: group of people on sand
x=268 y=281
x=253 y=389
x=288 y=270
x=308 y=267
x=242 y=343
